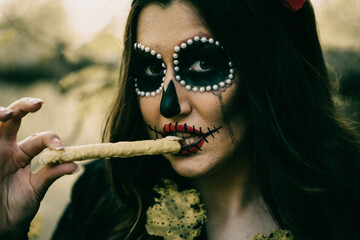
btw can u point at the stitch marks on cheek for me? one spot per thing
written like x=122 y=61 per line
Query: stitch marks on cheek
x=155 y=130
x=226 y=120
x=193 y=138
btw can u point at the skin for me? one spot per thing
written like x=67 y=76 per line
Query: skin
x=221 y=169
x=21 y=191
x=234 y=209
x=199 y=109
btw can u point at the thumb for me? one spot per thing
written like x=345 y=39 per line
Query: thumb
x=43 y=179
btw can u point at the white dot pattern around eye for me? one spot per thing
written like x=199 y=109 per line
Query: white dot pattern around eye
x=226 y=82
x=140 y=93
x=222 y=84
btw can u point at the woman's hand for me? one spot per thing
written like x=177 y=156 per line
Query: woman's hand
x=20 y=190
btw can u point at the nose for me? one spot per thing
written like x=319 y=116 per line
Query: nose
x=174 y=100
x=169 y=105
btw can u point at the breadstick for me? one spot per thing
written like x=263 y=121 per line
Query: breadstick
x=168 y=145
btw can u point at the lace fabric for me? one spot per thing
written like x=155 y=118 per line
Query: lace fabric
x=181 y=215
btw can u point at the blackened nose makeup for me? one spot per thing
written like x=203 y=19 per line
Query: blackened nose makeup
x=169 y=105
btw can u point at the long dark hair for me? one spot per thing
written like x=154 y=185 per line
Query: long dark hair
x=305 y=157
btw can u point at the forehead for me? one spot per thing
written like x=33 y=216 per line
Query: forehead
x=161 y=27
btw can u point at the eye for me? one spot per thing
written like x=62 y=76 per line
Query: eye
x=153 y=70
x=201 y=66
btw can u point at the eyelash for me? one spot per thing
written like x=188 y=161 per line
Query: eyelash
x=148 y=70
x=197 y=64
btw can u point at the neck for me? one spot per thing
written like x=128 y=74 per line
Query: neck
x=234 y=209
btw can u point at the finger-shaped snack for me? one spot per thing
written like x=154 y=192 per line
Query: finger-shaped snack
x=168 y=145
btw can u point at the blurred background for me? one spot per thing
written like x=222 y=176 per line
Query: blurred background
x=68 y=53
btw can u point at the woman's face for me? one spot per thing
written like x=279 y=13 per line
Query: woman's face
x=187 y=86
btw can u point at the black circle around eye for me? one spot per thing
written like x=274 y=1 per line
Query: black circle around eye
x=153 y=70
x=202 y=64
x=149 y=77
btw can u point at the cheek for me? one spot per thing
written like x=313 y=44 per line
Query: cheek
x=232 y=112
x=222 y=109
x=215 y=106
x=208 y=107
x=150 y=110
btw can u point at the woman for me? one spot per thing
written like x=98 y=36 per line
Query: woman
x=245 y=84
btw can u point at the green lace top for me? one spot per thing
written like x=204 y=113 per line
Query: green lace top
x=278 y=234
x=92 y=216
x=181 y=215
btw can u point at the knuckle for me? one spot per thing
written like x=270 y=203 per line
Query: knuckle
x=34 y=135
x=50 y=134
x=24 y=99
x=45 y=134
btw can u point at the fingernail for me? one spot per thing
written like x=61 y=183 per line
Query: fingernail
x=77 y=169
x=35 y=101
x=57 y=144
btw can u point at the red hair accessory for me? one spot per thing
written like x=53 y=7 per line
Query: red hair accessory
x=293 y=5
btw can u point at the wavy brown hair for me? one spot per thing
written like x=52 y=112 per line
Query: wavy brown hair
x=305 y=157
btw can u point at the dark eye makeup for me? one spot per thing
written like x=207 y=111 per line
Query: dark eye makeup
x=149 y=72
x=200 y=64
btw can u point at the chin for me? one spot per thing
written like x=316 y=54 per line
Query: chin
x=190 y=167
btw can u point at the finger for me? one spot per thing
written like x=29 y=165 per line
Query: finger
x=43 y=179
x=25 y=105
x=34 y=144
x=20 y=108
x=5 y=114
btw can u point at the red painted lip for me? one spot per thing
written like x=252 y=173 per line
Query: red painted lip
x=193 y=148
x=184 y=128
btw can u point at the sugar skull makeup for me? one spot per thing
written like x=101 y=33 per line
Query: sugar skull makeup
x=198 y=100
x=200 y=64
x=149 y=71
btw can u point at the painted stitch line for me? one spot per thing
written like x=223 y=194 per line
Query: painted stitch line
x=171 y=128
x=211 y=133
x=176 y=126
x=187 y=149
x=157 y=132
x=192 y=148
